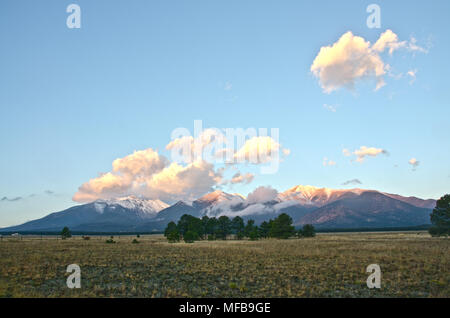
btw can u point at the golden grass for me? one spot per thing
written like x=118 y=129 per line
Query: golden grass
x=329 y=265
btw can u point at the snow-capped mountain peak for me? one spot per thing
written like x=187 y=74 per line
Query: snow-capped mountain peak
x=310 y=195
x=218 y=201
x=324 y=207
x=132 y=202
x=218 y=196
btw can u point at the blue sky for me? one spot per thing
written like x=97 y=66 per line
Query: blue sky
x=74 y=100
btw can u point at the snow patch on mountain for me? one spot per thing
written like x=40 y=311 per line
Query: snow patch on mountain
x=146 y=206
x=314 y=196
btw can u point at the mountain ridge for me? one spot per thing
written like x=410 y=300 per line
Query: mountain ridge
x=322 y=207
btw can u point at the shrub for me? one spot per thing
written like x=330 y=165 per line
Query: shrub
x=190 y=236
x=307 y=231
x=135 y=241
x=172 y=233
x=65 y=233
x=436 y=231
x=173 y=236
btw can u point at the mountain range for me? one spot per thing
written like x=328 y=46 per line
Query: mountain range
x=322 y=207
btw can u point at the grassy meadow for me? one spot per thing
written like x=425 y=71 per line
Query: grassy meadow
x=329 y=265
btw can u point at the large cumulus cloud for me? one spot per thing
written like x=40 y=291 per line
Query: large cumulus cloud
x=352 y=59
x=151 y=175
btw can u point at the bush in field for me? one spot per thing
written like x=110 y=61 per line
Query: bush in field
x=111 y=240
x=307 y=231
x=190 y=236
x=65 y=233
x=135 y=241
x=440 y=217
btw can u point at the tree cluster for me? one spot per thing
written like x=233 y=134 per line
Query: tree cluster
x=190 y=229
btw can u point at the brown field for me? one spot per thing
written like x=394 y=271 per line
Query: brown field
x=329 y=265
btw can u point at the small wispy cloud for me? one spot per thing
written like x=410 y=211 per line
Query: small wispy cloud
x=242 y=178
x=331 y=108
x=412 y=75
x=413 y=47
x=364 y=152
x=352 y=182
x=328 y=162
x=228 y=86
x=11 y=199
x=414 y=163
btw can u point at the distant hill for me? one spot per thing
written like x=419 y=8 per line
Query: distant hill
x=322 y=207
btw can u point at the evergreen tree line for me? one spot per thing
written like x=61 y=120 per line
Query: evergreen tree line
x=190 y=229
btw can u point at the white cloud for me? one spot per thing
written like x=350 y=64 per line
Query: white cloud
x=149 y=174
x=262 y=195
x=331 y=108
x=412 y=74
x=143 y=162
x=242 y=178
x=286 y=151
x=253 y=209
x=284 y=204
x=259 y=150
x=364 y=152
x=414 y=163
x=352 y=59
x=328 y=162
x=388 y=40
x=228 y=86
x=188 y=149
x=211 y=144
x=412 y=46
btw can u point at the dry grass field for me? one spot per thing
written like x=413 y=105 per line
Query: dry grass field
x=329 y=265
